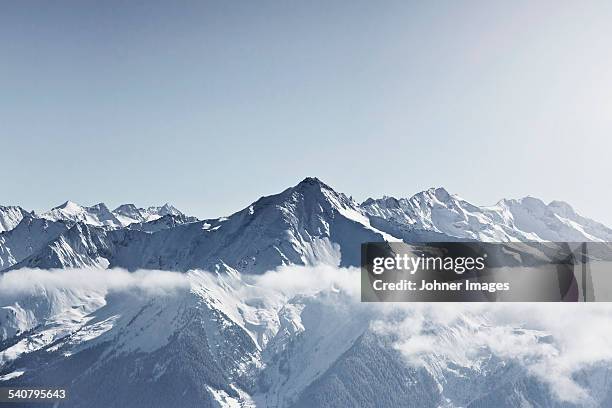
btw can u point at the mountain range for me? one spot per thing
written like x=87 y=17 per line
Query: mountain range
x=154 y=308
x=306 y=224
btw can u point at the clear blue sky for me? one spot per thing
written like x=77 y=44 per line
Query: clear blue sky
x=210 y=105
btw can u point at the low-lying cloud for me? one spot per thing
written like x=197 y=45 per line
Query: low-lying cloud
x=32 y=281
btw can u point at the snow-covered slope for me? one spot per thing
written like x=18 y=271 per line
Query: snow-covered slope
x=11 y=216
x=27 y=238
x=82 y=245
x=526 y=219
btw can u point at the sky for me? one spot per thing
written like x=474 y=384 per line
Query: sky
x=211 y=104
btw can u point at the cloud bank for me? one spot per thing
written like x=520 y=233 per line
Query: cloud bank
x=26 y=282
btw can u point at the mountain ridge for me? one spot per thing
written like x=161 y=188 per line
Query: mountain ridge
x=305 y=224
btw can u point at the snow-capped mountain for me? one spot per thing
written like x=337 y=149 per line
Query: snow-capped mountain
x=10 y=216
x=526 y=219
x=307 y=224
x=100 y=216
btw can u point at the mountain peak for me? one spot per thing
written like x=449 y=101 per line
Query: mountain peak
x=434 y=193
x=440 y=193
x=368 y=201
x=99 y=207
x=315 y=189
x=532 y=203
x=391 y=202
x=561 y=207
x=313 y=182
x=168 y=208
x=67 y=205
x=125 y=208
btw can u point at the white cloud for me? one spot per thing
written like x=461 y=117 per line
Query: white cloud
x=22 y=282
x=292 y=280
